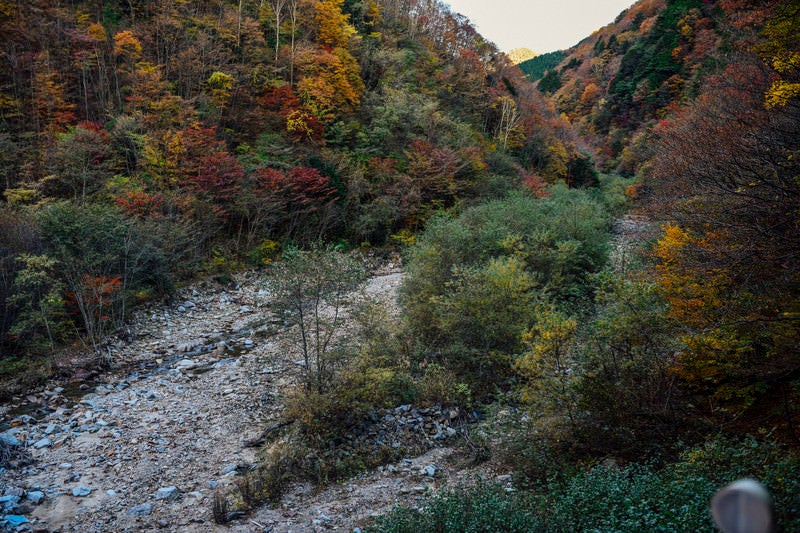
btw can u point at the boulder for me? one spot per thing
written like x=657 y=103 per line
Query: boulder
x=169 y=494
x=141 y=510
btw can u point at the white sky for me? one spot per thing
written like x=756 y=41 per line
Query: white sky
x=541 y=25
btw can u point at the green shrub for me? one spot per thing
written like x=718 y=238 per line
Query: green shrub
x=611 y=498
x=725 y=460
x=103 y=259
x=326 y=418
x=612 y=193
x=627 y=388
x=634 y=498
x=480 y=319
x=675 y=496
x=474 y=280
x=41 y=320
x=18 y=236
x=484 y=507
x=309 y=290
x=439 y=385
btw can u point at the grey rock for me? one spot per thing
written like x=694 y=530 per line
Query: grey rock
x=9 y=503
x=42 y=443
x=25 y=419
x=35 y=497
x=80 y=492
x=14 y=520
x=51 y=428
x=14 y=491
x=9 y=440
x=189 y=346
x=229 y=469
x=141 y=510
x=181 y=309
x=430 y=470
x=90 y=400
x=168 y=493
x=185 y=364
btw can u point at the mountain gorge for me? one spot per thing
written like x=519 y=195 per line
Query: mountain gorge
x=599 y=247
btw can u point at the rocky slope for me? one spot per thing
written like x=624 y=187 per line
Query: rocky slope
x=144 y=447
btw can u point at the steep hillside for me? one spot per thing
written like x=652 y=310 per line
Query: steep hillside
x=655 y=58
x=697 y=99
x=634 y=71
x=205 y=134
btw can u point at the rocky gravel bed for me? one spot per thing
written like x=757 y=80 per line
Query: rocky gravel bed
x=629 y=232
x=144 y=446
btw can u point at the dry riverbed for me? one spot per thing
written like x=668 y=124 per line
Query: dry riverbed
x=144 y=447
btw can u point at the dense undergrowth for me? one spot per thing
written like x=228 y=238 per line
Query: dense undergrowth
x=635 y=497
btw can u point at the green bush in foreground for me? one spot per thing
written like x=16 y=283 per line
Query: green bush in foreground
x=637 y=497
x=485 y=507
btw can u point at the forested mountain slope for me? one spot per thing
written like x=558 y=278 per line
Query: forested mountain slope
x=653 y=60
x=699 y=99
x=144 y=142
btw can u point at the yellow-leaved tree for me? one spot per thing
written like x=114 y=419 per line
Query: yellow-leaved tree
x=329 y=76
x=782 y=51
x=548 y=364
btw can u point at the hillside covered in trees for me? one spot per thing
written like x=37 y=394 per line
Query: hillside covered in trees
x=602 y=265
x=698 y=99
x=145 y=142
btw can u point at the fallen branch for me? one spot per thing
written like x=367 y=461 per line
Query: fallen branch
x=261 y=439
